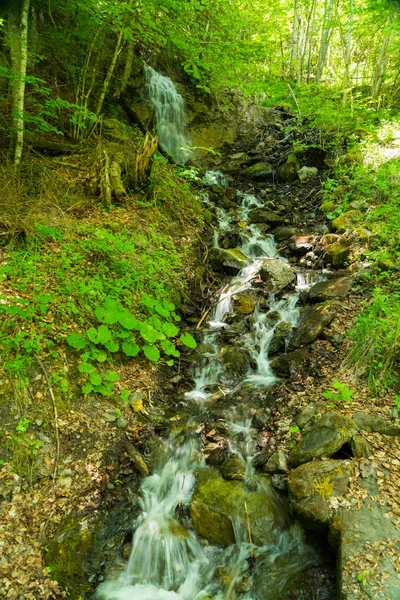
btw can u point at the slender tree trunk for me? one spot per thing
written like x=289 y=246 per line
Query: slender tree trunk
x=380 y=67
x=307 y=38
x=128 y=69
x=18 y=18
x=347 y=57
x=325 y=37
x=295 y=34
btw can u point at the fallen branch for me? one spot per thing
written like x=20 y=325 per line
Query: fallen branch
x=53 y=400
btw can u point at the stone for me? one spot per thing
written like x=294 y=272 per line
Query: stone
x=339 y=252
x=277 y=463
x=313 y=486
x=236 y=361
x=288 y=171
x=375 y=424
x=290 y=363
x=244 y=303
x=333 y=289
x=312 y=323
x=122 y=423
x=65 y=482
x=306 y=415
x=229 y=239
x=346 y=221
x=110 y=415
x=278 y=341
x=216 y=501
x=277 y=274
x=360 y=447
x=325 y=438
x=115 y=130
x=307 y=173
x=228 y=259
x=264 y=215
x=144 y=111
x=284 y=233
x=300 y=245
x=259 y=172
x=233 y=468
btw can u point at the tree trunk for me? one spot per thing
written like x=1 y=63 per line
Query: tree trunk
x=347 y=55
x=295 y=34
x=18 y=16
x=381 y=63
x=325 y=37
x=130 y=55
x=307 y=39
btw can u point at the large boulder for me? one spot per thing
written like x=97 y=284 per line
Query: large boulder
x=313 y=488
x=277 y=274
x=232 y=259
x=265 y=216
x=339 y=253
x=281 y=334
x=236 y=361
x=333 y=289
x=290 y=363
x=312 y=323
x=217 y=501
x=346 y=220
x=325 y=438
x=244 y=303
x=259 y=172
x=284 y=233
x=307 y=173
x=375 y=424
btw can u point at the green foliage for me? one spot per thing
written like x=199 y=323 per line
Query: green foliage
x=342 y=394
x=24 y=448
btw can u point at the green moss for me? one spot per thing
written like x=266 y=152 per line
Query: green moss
x=324 y=488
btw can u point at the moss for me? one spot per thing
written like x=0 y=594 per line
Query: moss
x=346 y=221
x=327 y=206
x=324 y=488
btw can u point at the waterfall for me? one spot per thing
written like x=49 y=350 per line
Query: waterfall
x=170 y=113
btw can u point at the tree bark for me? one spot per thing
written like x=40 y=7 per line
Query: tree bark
x=381 y=63
x=325 y=37
x=295 y=35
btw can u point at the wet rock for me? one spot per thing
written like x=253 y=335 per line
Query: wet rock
x=290 y=363
x=223 y=196
x=306 y=415
x=300 y=245
x=346 y=221
x=375 y=424
x=216 y=501
x=339 y=252
x=225 y=260
x=264 y=215
x=205 y=349
x=325 y=438
x=229 y=239
x=312 y=323
x=235 y=330
x=281 y=333
x=236 y=361
x=261 y=171
x=234 y=468
x=333 y=289
x=277 y=274
x=279 y=482
x=313 y=486
x=244 y=303
x=284 y=233
x=307 y=173
x=360 y=447
x=288 y=171
x=277 y=463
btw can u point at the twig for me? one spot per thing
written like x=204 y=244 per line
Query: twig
x=55 y=419
x=294 y=98
x=248 y=530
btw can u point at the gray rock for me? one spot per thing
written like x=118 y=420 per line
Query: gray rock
x=277 y=274
x=110 y=415
x=277 y=463
x=283 y=233
x=264 y=215
x=259 y=172
x=290 y=363
x=375 y=424
x=236 y=361
x=333 y=289
x=360 y=447
x=233 y=258
x=233 y=468
x=122 y=423
x=278 y=341
x=312 y=323
x=306 y=415
x=307 y=173
x=313 y=486
x=325 y=438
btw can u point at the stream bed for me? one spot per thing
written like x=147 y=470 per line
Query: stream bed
x=211 y=525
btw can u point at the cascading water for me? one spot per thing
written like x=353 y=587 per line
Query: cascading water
x=170 y=114
x=168 y=561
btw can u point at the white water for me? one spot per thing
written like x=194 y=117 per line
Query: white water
x=170 y=113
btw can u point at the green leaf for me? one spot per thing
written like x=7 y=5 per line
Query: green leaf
x=112 y=376
x=131 y=348
x=162 y=311
x=85 y=367
x=170 y=329
x=176 y=317
x=127 y=320
x=125 y=395
x=169 y=306
x=188 y=340
x=149 y=334
x=112 y=346
x=169 y=348
x=87 y=388
x=95 y=378
x=104 y=334
x=99 y=355
x=92 y=335
x=151 y=352
x=170 y=363
x=76 y=340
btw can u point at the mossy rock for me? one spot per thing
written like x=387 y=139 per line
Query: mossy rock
x=288 y=171
x=231 y=259
x=259 y=172
x=313 y=486
x=115 y=130
x=312 y=323
x=217 y=501
x=339 y=253
x=325 y=438
x=333 y=289
x=346 y=221
x=68 y=551
x=244 y=303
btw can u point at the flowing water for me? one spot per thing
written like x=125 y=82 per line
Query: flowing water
x=168 y=560
x=170 y=114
